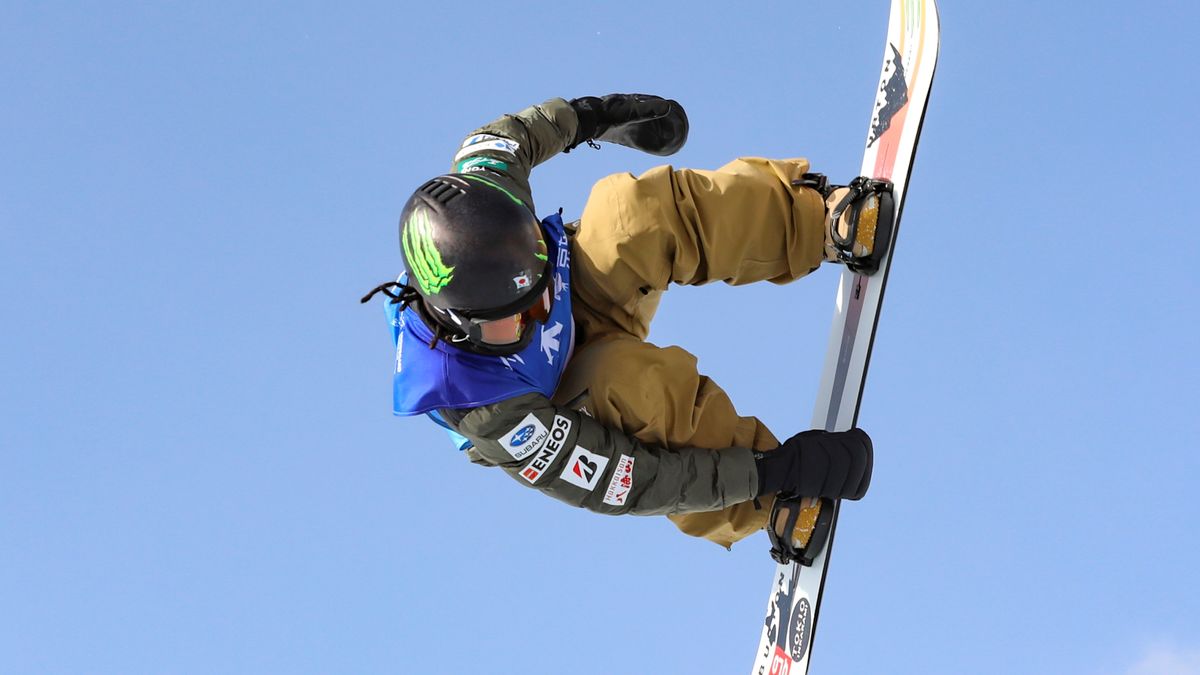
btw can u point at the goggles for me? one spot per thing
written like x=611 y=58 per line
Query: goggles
x=511 y=329
x=510 y=325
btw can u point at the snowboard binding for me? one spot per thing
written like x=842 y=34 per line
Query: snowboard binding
x=858 y=221
x=781 y=527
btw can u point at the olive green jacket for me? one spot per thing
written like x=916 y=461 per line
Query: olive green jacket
x=571 y=456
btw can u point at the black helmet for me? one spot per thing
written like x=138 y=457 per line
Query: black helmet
x=474 y=253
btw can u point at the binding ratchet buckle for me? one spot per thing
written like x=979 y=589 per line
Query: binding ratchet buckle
x=859 y=188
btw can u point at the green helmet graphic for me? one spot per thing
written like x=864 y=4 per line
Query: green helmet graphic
x=472 y=249
x=424 y=261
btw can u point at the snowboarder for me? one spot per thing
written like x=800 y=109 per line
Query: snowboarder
x=526 y=339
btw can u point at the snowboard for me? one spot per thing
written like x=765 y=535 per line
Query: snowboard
x=909 y=58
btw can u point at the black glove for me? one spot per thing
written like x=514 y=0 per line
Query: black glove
x=833 y=464
x=640 y=121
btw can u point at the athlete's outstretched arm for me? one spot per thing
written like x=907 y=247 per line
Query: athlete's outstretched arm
x=507 y=149
x=575 y=459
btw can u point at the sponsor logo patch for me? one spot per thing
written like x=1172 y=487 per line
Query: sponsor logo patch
x=584 y=469
x=479 y=138
x=621 y=483
x=522 y=436
x=524 y=439
x=479 y=164
x=545 y=457
x=490 y=143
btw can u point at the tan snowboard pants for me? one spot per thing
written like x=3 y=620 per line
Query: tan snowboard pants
x=744 y=222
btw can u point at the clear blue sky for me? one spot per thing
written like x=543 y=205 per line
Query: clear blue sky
x=199 y=470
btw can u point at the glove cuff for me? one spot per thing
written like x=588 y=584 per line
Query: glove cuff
x=774 y=469
x=587 y=110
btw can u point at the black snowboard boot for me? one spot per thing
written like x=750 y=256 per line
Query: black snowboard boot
x=858 y=220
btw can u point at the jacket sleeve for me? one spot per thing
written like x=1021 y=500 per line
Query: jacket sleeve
x=575 y=459
x=507 y=149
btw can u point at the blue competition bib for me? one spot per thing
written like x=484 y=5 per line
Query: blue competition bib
x=446 y=377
